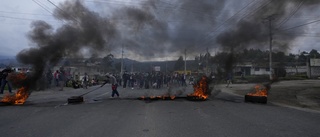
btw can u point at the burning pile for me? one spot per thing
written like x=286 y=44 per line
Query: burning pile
x=259 y=95
x=164 y=97
x=21 y=95
x=201 y=90
x=201 y=93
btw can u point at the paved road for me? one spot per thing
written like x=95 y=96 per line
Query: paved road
x=45 y=114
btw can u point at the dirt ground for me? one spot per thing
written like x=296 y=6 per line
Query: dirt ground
x=296 y=93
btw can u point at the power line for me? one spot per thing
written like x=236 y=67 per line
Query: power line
x=257 y=9
x=254 y=11
x=207 y=35
x=17 y=18
x=42 y=6
x=9 y=12
x=215 y=30
x=292 y=13
x=64 y=11
x=141 y=4
x=301 y=25
x=300 y=35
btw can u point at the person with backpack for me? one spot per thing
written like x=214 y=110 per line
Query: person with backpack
x=5 y=79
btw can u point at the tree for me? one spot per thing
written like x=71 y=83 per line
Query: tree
x=117 y=66
x=106 y=62
x=279 y=57
x=179 y=64
x=314 y=54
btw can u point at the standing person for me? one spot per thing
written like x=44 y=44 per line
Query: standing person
x=114 y=85
x=114 y=90
x=125 y=79
x=56 y=77
x=62 y=78
x=118 y=79
x=183 y=80
x=131 y=81
x=85 y=80
x=5 y=79
x=229 y=79
x=191 y=79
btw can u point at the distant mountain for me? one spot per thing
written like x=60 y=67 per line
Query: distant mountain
x=7 y=57
x=137 y=66
x=8 y=60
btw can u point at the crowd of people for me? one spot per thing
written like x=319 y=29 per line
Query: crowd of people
x=61 y=79
x=151 y=80
x=143 y=80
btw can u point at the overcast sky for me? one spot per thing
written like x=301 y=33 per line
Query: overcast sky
x=180 y=20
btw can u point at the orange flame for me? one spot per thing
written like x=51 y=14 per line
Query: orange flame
x=19 y=98
x=21 y=95
x=260 y=90
x=163 y=97
x=201 y=89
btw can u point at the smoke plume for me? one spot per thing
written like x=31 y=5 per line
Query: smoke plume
x=158 y=28
x=82 y=28
x=253 y=30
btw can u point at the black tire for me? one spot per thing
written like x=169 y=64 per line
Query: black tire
x=195 y=98
x=75 y=99
x=255 y=99
x=5 y=104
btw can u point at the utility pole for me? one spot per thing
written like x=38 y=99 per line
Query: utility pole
x=270 y=19
x=121 y=71
x=132 y=67
x=185 y=61
x=207 y=61
x=166 y=66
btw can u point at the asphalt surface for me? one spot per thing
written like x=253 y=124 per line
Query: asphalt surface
x=47 y=114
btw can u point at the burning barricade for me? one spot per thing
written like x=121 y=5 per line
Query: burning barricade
x=163 y=97
x=201 y=93
x=259 y=94
x=201 y=90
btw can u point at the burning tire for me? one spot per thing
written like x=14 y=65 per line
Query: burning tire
x=255 y=99
x=75 y=99
x=148 y=98
x=195 y=98
x=5 y=104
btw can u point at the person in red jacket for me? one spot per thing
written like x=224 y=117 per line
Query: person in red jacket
x=114 y=90
x=114 y=84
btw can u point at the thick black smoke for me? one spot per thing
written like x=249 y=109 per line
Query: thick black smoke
x=156 y=28
x=83 y=29
x=254 y=30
